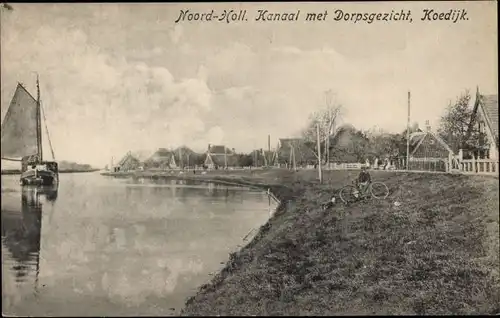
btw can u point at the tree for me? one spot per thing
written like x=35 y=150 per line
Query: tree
x=326 y=118
x=244 y=160
x=383 y=144
x=198 y=159
x=350 y=145
x=454 y=125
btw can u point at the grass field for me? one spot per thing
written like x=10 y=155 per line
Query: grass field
x=436 y=253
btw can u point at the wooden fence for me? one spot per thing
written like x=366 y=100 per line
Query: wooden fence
x=345 y=166
x=478 y=166
x=454 y=164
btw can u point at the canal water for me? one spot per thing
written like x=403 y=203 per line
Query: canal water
x=98 y=246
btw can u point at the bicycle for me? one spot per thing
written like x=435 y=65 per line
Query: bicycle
x=350 y=193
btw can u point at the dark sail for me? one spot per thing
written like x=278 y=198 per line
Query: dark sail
x=20 y=126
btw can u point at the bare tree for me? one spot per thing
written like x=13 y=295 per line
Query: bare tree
x=326 y=118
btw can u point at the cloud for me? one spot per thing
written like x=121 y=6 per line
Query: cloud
x=215 y=135
x=97 y=105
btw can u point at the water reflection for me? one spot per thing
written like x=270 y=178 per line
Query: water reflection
x=118 y=247
x=183 y=188
x=21 y=231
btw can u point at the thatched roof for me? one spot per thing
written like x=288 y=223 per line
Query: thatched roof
x=129 y=157
x=129 y=161
x=219 y=160
x=429 y=134
x=490 y=106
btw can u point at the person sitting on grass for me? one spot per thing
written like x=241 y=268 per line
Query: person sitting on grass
x=363 y=181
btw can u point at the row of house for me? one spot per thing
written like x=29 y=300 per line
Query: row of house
x=216 y=156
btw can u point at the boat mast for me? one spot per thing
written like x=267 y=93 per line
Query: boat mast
x=38 y=121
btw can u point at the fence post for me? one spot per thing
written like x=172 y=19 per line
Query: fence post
x=474 y=164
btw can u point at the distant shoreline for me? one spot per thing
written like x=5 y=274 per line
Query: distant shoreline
x=14 y=172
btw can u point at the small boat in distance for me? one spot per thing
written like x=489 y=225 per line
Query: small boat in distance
x=22 y=139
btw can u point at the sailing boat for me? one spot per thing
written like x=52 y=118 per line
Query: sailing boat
x=22 y=138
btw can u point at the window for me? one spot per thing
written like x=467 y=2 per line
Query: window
x=481 y=127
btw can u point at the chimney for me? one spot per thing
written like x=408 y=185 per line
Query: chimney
x=208 y=149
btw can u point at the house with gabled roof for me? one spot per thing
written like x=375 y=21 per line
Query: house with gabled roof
x=485 y=120
x=219 y=156
x=428 y=151
x=127 y=163
x=428 y=144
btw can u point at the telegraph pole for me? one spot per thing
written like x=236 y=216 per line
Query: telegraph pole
x=319 y=155
x=408 y=136
x=268 y=149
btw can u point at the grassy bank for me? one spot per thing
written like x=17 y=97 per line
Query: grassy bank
x=437 y=253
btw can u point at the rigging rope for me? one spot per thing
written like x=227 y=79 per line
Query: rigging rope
x=47 y=130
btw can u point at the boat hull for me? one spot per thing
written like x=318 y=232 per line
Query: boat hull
x=40 y=177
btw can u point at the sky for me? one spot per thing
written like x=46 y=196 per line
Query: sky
x=119 y=77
